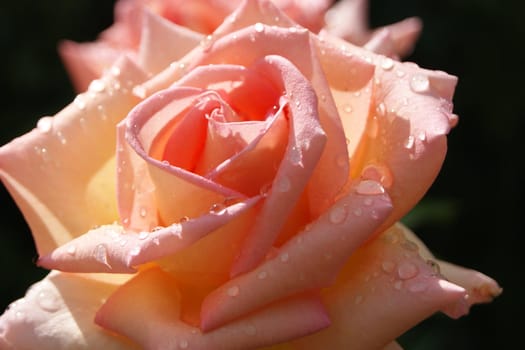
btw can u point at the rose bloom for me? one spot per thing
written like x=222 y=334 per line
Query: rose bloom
x=347 y=19
x=240 y=194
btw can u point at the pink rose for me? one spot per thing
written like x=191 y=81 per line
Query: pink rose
x=245 y=196
x=347 y=19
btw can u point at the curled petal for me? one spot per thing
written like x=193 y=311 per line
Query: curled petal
x=161 y=304
x=480 y=287
x=309 y=261
x=384 y=289
x=111 y=249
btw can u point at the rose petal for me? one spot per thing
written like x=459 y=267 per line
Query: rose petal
x=163 y=42
x=160 y=305
x=111 y=249
x=86 y=62
x=309 y=261
x=143 y=138
x=405 y=140
x=384 y=289
x=59 y=196
x=481 y=288
x=57 y=313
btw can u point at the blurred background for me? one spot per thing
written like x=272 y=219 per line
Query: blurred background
x=472 y=214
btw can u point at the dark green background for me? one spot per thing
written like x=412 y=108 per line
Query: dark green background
x=472 y=215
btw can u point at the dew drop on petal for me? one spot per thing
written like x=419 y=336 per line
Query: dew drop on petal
x=80 y=102
x=388 y=266
x=143 y=212
x=387 y=63
x=45 y=124
x=347 y=108
x=407 y=270
x=233 y=291
x=381 y=110
x=101 y=254
x=284 y=257
x=97 y=85
x=48 y=300
x=71 y=250
x=143 y=235
x=217 y=208
x=419 y=83
x=409 y=142
x=369 y=187
x=259 y=27
x=337 y=214
x=422 y=136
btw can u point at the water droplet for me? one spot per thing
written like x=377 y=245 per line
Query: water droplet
x=61 y=137
x=407 y=270
x=338 y=214
x=217 y=208
x=262 y=275
x=183 y=344
x=122 y=242
x=369 y=187
x=116 y=85
x=80 y=102
x=115 y=71
x=135 y=251
x=233 y=291
x=101 y=254
x=184 y=219
x=400 y=73
x=139 y=91
x=387 y=63
x=284 y=257
x=48 y=301
x=358 y=299
x=143 y=212
x=453 y=120
x=381 y=110
x=292 y=30
x=347 y=108
x=388 y=266
x=419 y=83
x=409 y=142
x=97 y=85
x=45 y=124
x=19 y=315
x=207 y=43
x=358 y=211
x=71 y=250
x=143 y=235
x=283 y=184
x=422 y=136
x=259 y=27
x=379 y=173
x=434 y=266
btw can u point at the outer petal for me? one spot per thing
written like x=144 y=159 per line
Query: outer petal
x=307 y=262
x=160 y=305
x=110 y=249
x=481 y=288
x=385 y=289
x=59 y=196
x=404 y=142
x=57 y=314
x=163 y=42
